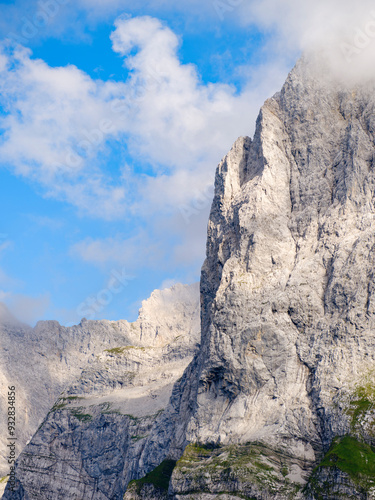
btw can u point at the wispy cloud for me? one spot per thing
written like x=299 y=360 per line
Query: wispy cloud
x=337 y=30
x=5 y=244
x=45 y=221
x=135 y=252
x=25 y=308
x=7 y=282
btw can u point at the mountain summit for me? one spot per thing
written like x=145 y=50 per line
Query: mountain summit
x=279 y=401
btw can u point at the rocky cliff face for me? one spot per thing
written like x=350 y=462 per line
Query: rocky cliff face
x=279 y=401
x=116 y=377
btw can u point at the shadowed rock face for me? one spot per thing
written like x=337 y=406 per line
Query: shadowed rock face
x=279 y=400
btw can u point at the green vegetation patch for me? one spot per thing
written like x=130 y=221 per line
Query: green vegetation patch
x=363 y=404
x=121 y=350
x=4 y=479
x=83 y=417
x=159 y=477
x=241 y=467
x=144 y=418
x=241 y=460
x=132 y=417
x=137 y=438
x=116 y=350
x=58 y=406
x=63 y=402
x=354 y=458
x=107 y=409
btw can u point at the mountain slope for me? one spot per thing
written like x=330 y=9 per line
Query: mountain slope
x=99 y=369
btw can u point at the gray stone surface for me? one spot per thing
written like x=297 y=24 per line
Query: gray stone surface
x=287 y=287
x=40 y=362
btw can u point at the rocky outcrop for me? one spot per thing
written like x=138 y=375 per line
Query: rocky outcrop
x=287 y=357
x=115 y=390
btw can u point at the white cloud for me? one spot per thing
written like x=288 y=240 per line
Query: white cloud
x=25 y=308
x=55 y=125
x=45 y=221
x=3 y=296
x=167 y=283
x=182 y=126
x=133 y=252
x=59 y=121
x=179 y=119
x=340 y=32
x=3 y=62
x=60 y=125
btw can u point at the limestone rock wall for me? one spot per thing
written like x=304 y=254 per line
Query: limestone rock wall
x=288 y=335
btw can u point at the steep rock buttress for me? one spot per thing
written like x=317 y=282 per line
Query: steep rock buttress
x=283 y=385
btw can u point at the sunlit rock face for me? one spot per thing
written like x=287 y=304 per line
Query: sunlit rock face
x=278 y=402
x=287 y=292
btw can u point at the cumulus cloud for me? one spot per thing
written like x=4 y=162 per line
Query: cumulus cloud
x=179 y=120
x=297 y=25
x=182 y=126
x=59 y=127
x=53 y=121
x=58 y=123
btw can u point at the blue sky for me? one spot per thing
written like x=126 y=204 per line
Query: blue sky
x=112 y=121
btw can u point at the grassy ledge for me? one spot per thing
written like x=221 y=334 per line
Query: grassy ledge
x=240 y=469
x=361 y=407
x=121 y=350
x=83 y=417
x=159 y=477
x=354 y=458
